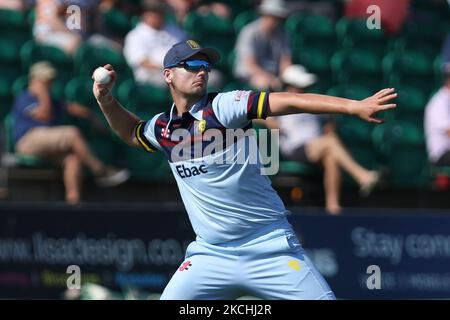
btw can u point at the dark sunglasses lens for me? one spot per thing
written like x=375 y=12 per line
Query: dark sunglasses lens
x=197 y=65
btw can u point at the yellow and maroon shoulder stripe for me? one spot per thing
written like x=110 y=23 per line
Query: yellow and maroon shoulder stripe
x=257 y=105
x=139 y=132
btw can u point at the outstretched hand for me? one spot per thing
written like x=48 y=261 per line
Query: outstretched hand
x=102 y=91
x=366 y=109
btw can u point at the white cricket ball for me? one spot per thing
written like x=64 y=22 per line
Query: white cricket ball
x=101 y=75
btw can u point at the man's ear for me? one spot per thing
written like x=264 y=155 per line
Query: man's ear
x=168 y=76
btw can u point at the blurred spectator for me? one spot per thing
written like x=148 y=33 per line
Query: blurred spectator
x=393 y=13
x=111 y=33
x=304 y=138
x=263 y=48
x=437 y=123
x=217 y=8
x=181 y=8
x=50 y=26
x=146 y=45
x=17 y=5
x=38 y=131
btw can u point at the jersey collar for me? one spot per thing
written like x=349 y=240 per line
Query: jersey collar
x=196 y=110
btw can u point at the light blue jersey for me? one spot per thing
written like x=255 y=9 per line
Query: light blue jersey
x=224 y=192
x=244 y=245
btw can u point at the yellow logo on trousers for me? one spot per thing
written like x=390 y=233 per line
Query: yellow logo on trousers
x=294 y=264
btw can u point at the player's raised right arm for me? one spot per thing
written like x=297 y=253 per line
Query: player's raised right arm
x=122 y=121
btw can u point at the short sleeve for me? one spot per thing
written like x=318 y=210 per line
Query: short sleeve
x=236 y=108
x=145 y=134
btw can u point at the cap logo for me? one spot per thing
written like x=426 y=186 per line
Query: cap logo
x=193 y=44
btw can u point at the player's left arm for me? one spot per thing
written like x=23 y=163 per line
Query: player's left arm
x=284 y=103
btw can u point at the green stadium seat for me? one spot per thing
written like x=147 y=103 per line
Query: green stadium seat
x=117 y=22
x=19 y=85
x=79 y=90
x=411 y=104
x=14 y=26
x=236 y=6
x=354 y=33
x=357 y=66
x=147 y=166
x=32 y=52
x=315 y=60
x=425 y=38
x=89 y=57
x=10 y=51
x=145 y=100
x=7 y=77
x=298 y=168
x=311 y=31
x=402 y=146
x=350 y=91
x=409 y=68
x=244 y=18
x=109 y=148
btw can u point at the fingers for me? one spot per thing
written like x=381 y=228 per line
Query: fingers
x=384 y=92
x=102 y=89
x=376 y=120
x=111 y=72
x=387 y=106
x=387 y=98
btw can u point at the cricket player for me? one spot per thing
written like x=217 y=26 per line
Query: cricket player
x=245 y=244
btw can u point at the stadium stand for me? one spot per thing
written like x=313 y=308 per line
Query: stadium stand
x=350 y=60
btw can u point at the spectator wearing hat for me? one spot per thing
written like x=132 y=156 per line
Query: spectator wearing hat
x=146 y=45
x=311 y=139
x=263 y=48
x=437 y=123
x=39 y=131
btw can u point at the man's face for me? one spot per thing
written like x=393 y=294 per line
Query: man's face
x=270 y=23
x=154 y=19
x=42 y=83
x=188 y=82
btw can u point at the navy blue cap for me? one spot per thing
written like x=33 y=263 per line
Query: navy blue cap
x=186 y=49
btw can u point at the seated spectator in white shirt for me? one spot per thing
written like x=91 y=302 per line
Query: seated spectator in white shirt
x=437 y=123
x=146 y=45
x=303 y=138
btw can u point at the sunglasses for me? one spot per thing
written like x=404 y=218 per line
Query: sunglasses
x=193 y=65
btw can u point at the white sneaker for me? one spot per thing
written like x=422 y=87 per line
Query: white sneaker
x=113 y=177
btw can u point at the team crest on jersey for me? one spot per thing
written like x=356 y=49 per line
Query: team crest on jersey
x=193 y=44
x=200 y=126
x=185 y=266
x=294 y=264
